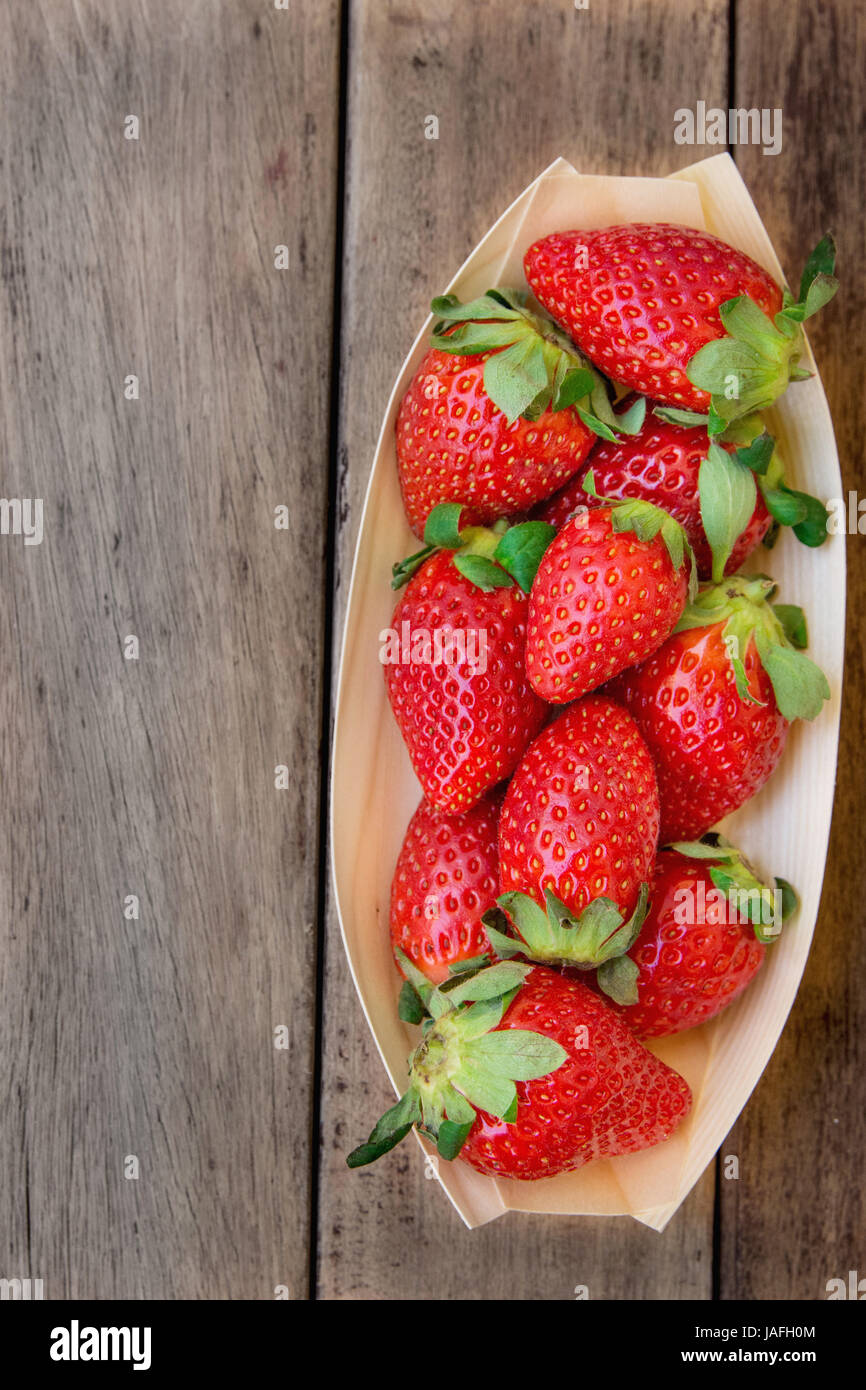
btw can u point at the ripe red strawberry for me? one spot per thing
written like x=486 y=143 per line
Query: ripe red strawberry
x=454 y=444
x=702 y=942
x=659 y=464
x=529 y=1084
x=447 y=877
x=501 y=411
x=715 y=701
x=454 y=657
x=726 y=500
x=644 y=300
x=581 y=813
x=608 y=591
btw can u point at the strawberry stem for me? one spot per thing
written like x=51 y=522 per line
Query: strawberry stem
x=490 y=557
x=741 y=604
x=733 y=875
x=555 y=936
x=753 y=364
x=532 y=366
x=463 y=1064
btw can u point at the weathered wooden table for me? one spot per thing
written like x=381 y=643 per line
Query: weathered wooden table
x=166 y=913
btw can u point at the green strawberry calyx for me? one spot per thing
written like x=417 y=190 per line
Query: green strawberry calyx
x=490 y=557
x=807 y=516
x=595 y=939
x=740 y=431
x=766 y=907
x=754 y=363
x=742 y=605
x=727 y=497
x=533 y=366
x=647 y=521
x=463 y=1063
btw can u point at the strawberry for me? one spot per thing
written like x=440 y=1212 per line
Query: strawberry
x=526 y=1074
x=659 y=464
x=666 y=463
x=581 y=813
x=678 y=314
x=447 y=876
x=702 y=942
x=501 y=411
x=608 y=591
x=454 y=656
x=715 y=702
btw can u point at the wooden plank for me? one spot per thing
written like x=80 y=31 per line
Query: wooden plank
x=513 y=86
x=795 y=1216
x=155 y=1038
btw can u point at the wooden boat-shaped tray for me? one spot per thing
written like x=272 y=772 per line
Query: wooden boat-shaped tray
x=784 y=830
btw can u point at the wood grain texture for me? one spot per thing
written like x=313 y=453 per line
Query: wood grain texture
x=796 y=1216
x=155 y=777
x=512 y=86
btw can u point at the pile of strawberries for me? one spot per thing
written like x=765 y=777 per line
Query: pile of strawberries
x=586 y=483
